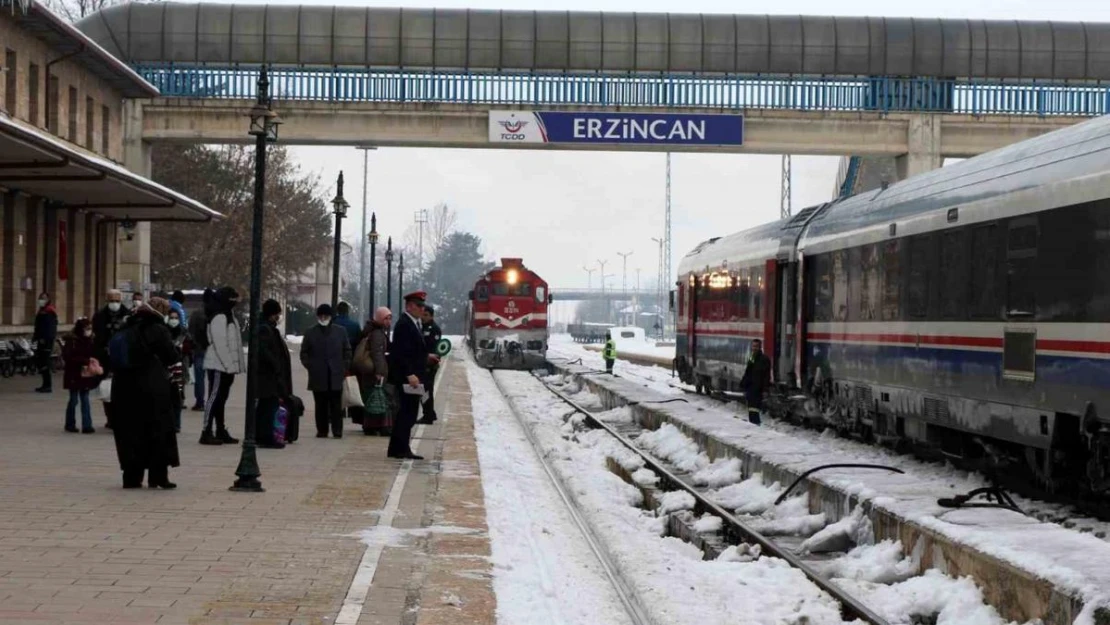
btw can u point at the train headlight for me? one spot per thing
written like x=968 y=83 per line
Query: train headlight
x=513 y=277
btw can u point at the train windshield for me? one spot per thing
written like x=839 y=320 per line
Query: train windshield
x=506 y=289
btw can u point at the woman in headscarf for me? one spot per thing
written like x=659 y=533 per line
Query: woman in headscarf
x=144 y=393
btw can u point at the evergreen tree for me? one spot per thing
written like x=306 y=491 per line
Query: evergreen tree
x=451 y=275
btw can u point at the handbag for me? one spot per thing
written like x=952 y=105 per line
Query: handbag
x=295 y=406
x=377 y=404
x=105 y=390
x=352 y=396
x=93 y=369
x=281 y=423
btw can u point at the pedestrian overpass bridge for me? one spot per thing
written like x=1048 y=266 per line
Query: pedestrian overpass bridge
x=914 y=89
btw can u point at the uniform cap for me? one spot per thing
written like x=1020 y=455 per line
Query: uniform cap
x=416 y=295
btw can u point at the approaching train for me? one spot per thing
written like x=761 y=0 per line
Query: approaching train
x=507 y=317
x=964 y=312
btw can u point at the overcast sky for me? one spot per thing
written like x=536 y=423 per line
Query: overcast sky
x=560 y=210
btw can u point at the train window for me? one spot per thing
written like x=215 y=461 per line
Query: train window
x=822 y=288
x=869 y=287
x=541 y=295
x=952 y=281
x=483 y=293
x=681 y=299
x=500 y=289
x=984 y=272
x=757 y=293
x=745 y=294
x=918 y=283
x=1021 y=259
x=840 y=285
x=892 y=280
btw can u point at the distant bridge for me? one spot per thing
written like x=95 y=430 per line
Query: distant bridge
x=580 y=294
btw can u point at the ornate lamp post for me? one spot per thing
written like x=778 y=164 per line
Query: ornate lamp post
x=340 y=206
x=389 y=273
x=401 y=281
x=264 y=127
x=372 y=238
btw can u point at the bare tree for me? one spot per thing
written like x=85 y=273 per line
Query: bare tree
x=74 y=10
x=442 y=221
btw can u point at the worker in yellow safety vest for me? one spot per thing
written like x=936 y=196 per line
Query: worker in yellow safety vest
x=609 y=353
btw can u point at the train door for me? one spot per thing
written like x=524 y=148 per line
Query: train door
x=771 y=321
x=691 y=321
x=786 y=281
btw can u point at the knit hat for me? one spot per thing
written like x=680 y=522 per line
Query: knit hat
x=324 y=310
x=270 y=308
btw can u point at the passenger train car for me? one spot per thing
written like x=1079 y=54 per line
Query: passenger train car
x=507 y=317
x=965 y=311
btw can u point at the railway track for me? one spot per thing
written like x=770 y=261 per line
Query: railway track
x=734 y=531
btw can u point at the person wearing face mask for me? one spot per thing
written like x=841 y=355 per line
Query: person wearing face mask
x=275 y=377
x=223 y=360
x=78 y=377
x=177 y=334
x=106 y=322
x=326 y=354
x=46 y=332
x=136 y=301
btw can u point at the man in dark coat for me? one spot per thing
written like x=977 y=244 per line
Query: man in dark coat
x=275 y=375
x=326 y=353
x=408 y=363
x=432 y=335
x=106 y=322
x=46 y=332
x=343 y=320
x=756 y=380
x=143 y=399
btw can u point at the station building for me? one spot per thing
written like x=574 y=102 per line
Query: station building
x=76 y=202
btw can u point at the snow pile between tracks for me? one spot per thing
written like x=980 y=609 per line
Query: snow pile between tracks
x=672 y=581
x=954 y=601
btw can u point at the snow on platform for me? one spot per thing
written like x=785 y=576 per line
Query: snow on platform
x=1028 y=568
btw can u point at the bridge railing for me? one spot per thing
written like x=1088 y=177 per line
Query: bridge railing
x=976 y=97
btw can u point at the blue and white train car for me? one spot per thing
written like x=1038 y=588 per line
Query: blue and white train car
x=965 y=310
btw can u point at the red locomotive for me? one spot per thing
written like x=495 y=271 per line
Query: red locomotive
x=507 y=317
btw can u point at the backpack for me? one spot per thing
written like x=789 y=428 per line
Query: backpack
x=123 y=349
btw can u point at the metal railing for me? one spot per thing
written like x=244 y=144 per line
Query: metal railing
x=882 y=94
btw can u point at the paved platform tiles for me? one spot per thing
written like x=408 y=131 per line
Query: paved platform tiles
x=77 y=548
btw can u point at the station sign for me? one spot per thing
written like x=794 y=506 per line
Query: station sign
x=571 y=127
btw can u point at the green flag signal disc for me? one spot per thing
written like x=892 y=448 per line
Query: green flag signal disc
x=443 y=347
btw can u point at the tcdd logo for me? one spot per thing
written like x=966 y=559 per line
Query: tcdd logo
x=513 y=129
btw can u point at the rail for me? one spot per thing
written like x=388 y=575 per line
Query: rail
x=723 y=92
x=733 y=527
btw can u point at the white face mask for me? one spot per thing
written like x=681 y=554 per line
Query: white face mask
x=174 y=322
x=324 y=321
x=113 y=306
x=88 y=333
x=42 y=303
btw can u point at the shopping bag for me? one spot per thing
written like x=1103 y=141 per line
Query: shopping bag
x=281 y=422
x=352 y=396
x=93 y=369
x=105 y=390
x=377 y=404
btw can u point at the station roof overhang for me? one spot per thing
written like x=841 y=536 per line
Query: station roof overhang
x=38 y=164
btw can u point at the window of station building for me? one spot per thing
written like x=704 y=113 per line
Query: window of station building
x=33 y=94
x=984 y=272
x=952 y=278
x=1021 y=261
x=892 y=280
x=919 y=276
x=11 y=80
x=71 y=133
x=90 y=123
x=52 y=104
x=105 y=128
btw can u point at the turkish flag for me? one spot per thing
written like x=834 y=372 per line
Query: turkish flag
x=63 y=252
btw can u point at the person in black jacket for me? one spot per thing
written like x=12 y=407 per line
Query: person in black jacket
x=326 y=354
x=46 y=332
x=106 y=322
x=408 y=363
x=198 y=336
x=275 y=374
x=432 y=335
x=756 y=380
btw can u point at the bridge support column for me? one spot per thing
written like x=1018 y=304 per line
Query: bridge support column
x=924 y=147
x=133 y=257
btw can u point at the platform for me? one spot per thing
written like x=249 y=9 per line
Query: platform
x=342 y=534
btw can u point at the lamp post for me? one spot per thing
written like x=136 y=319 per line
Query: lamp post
x=659 y=289
x=589 y=277
x=373 y=240
x=264 y=127
x=601 y=273
x=362 y=297
x=624 y=274
x=340 y=206
x=389 y=273
x=401 y=280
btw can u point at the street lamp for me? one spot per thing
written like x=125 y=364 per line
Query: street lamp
x=389 y=273
x=401 y=279
x=362 y=297
x=659 y=289
x=340 y=206
x=373 y=240
x=624 y=274
x=264 y=128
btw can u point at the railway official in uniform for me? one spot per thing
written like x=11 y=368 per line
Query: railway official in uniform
x=609 y=352
x=432 y=335
x=756 y=380
x=408 y=362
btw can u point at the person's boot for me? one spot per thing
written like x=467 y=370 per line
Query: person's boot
x=225 y=437
x=206 y=438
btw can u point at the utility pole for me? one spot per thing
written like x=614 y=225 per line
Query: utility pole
x=666 y=265
x=589 y=277
x=659 y=283
x=603 y=297
x=364 y=297
x=785 y=199
x=624 y=275
x=421 y=218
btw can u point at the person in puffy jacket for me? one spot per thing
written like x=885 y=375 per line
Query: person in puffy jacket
x=78 y=379
x=46 y=332
x=223 y=360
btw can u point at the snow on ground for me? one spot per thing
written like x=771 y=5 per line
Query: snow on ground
x=1079 y=562
x=543 y=570
x=643 y=348
x=674 y=584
